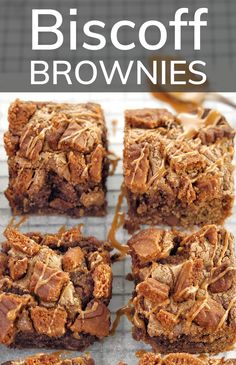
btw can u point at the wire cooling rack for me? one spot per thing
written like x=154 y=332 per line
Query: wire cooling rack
x=121 y=346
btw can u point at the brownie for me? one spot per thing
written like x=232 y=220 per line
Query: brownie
x=185 y=289
x=57 y=158
x=177 y=169
x=52 y=359
x=54 y=290
x=181 y=359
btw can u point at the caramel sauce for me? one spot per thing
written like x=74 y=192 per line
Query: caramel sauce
x=222 y=274
x=124 y=311
x=118 y=221
x=74 y=136
x=114 y=126
x=138 y=322
x=179 y=105
x=137 y=163
x=113 y=159
x=212 y=117
x=225 y=316
x=62 y=229
x=191 y=123
x=225 y=247
x=12 y=223
x=179 y=101
x=158 y=175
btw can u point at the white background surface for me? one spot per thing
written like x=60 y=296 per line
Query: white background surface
x=121 y=346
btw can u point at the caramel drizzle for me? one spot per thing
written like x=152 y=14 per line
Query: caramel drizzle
x=159 y=305
x=158 y=175
x=127 y=311
x=142 y=137
x=221 y=275
x=74 y=136
x=191 y=123
x=190 y=289
x=83 y=114
x=41 y=116
x=138 y=322
x=114 y=126
x=79 y=120
x=52 y=320
x=42 y=282
x=171 y=144
x=225 y=248
x=136 y=162
x=85 y=312
x=38 y=285
x=177 y=103
x=147 y=314
x=33 y=141
x=225 y=316
x=62 y=230
x=217 y=163
x=11 y=315
x=118 y=221
x=113 y=160
x=202 y=304
x=12 y=223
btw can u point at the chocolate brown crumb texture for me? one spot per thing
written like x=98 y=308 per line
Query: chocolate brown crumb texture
x=54 y=290
x=57 y=158
x=52 y=359
x=181 y=359
x=185 y=293
x=178 y=169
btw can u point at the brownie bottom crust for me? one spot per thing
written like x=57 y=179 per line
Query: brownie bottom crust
x=185 y=343
x=67 y=342
x=95 y=211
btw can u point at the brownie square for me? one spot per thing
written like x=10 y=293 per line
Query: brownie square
x=150 y=358
x=54 y=290
x=52 y=359
x=185 y=289
x=177 y=169
x=57 y=158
